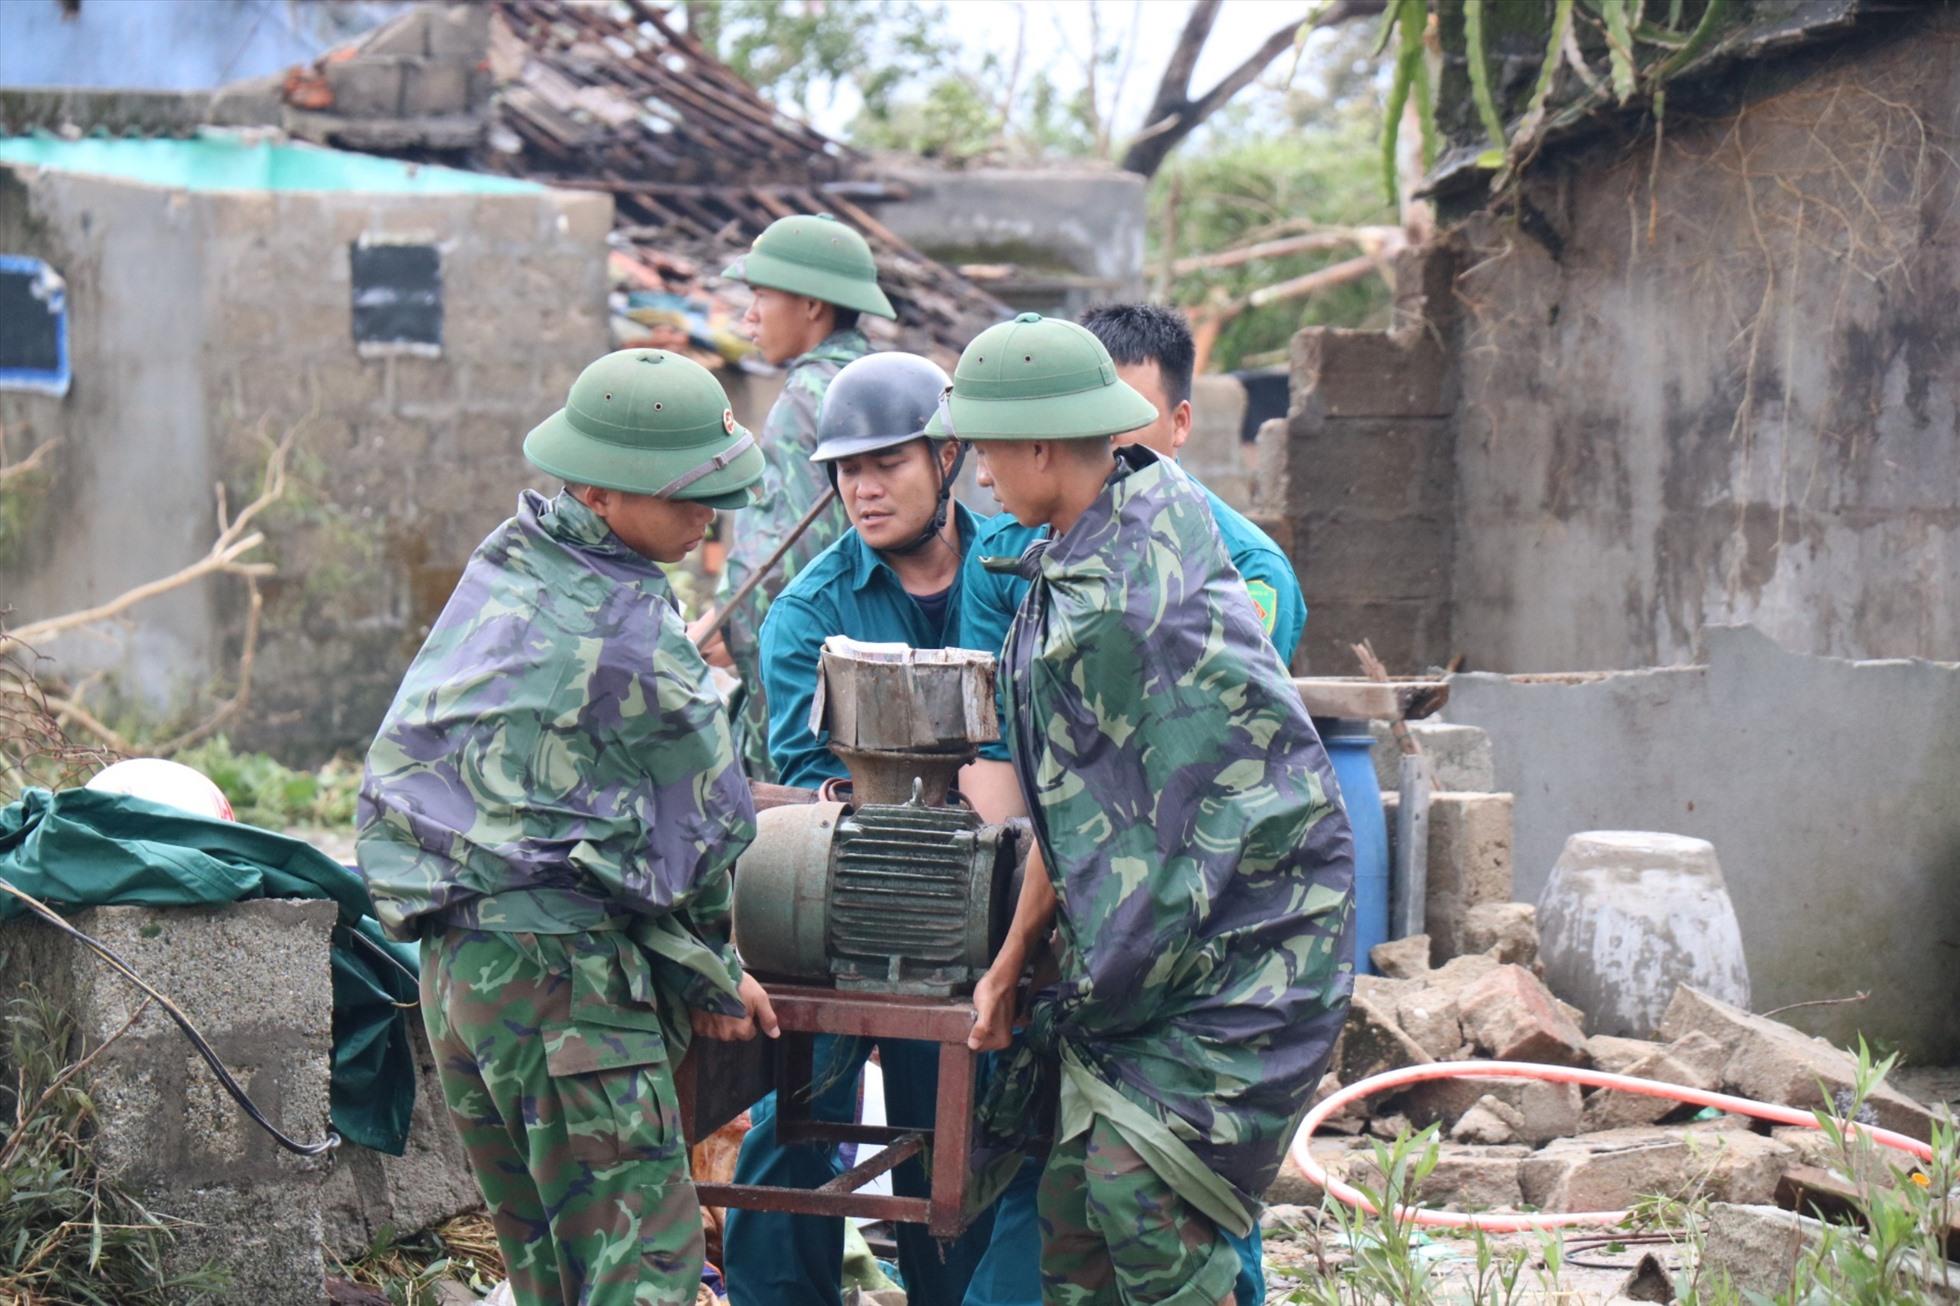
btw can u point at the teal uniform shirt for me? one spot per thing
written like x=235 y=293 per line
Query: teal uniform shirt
x=989 y=599
x=849 y=590
x=773 y=1259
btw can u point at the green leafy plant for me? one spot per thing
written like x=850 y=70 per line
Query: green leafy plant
x=265 y=792
x=1643 y=52
x=68 y=1234
x=1407 y=21
x=1897 y=1255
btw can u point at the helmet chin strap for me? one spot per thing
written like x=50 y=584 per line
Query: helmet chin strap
x=939 y=510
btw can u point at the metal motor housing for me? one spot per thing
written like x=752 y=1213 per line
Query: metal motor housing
x=882 y=897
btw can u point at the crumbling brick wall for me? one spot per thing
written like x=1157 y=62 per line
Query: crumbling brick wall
x=1358 y=483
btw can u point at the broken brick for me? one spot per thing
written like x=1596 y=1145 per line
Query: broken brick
x=1511 y=1015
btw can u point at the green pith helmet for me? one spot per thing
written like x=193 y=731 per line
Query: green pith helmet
x=649 y=422
x=1038 y=378
x=814 y=255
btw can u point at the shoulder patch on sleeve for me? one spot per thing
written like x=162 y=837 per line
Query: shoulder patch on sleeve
x=1265 y=600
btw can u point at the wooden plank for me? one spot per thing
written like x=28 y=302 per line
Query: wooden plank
x=1361 y=699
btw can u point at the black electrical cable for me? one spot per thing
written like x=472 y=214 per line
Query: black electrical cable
x=371 y=946
x=231 y=1086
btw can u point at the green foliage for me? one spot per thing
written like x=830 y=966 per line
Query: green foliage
x=1407 y=19
x=17 y=503
x=793 y=51
x=1387 y=1256
x=67 y=1235
x=1897 y=1256
x=922 y=91
x=1232 y=186
x=1643 y=51
x=948 y=119
x=1473 y=27
x=267 y=793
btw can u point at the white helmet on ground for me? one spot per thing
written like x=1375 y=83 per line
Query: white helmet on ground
x=171 y=783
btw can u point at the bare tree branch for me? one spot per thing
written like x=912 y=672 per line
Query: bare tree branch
x=1209 y=318
x=1329 y=238
x=27 y=465
x=1174 y=87
x=231 y=707
x=228 y=555
x=1173 y=114
x=1335 y=274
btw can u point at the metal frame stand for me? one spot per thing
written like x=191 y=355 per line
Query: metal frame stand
x=804 y=1012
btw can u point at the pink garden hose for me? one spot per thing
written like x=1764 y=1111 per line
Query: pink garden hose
x=1348 y=1194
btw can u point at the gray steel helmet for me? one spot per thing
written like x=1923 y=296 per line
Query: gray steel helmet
x=878 y=402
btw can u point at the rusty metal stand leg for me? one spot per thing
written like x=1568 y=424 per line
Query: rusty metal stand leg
x=952 y=1140
x=796 y=1088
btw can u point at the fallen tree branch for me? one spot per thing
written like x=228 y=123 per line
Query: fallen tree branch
x=1817 y=1002
x=28 y=465
x=1332 y=238
x=30 y=732
x=227 y=556
x=68 y=711
x=1335 y=274
x=232 y=706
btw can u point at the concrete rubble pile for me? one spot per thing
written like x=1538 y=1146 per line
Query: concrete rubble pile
x=1557 y=1147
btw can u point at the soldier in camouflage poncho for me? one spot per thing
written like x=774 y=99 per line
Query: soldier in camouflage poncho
x=552 y=807
x=1194 y=855
x=812 y=277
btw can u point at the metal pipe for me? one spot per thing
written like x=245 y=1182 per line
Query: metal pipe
x=769 y=564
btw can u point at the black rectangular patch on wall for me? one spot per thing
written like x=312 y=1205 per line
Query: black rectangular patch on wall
x=397 y=296
x=33 y=326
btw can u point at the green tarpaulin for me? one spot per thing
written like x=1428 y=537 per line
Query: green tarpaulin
x=80 y=848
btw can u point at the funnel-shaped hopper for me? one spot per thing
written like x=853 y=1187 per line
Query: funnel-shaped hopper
x=899 y=715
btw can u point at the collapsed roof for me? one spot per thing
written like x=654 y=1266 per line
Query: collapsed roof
x=615 y=96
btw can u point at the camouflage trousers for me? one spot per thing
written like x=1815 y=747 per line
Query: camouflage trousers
x=1114 y=1234
x=560 y=1087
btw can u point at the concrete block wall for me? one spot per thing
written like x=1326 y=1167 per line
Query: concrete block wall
x=1827 y=787
x=369 y=1191
x=255 y=978
x=202 y=319
x=406 y=462
x=1459 y=756
x=1358 y=483
x=130 y=434
x=1214 y=453
x=419 y=65
x=1470 y=862
x=1072 y=235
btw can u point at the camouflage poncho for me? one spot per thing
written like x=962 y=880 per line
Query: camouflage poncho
x=556 y=761
x=790 y=484
x=1202 y=866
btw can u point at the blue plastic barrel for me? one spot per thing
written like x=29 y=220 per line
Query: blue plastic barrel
x=1351 y=749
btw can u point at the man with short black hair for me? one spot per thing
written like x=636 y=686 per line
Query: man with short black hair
x=810 y=277
x=892 y=578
